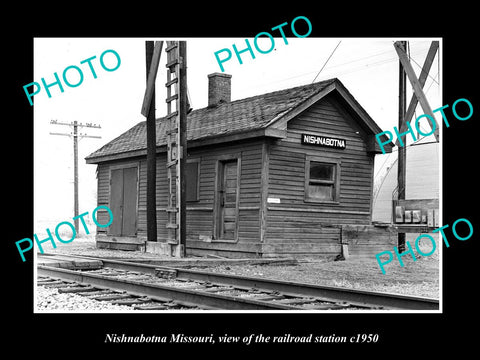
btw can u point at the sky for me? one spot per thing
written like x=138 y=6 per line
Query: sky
x=368 y=67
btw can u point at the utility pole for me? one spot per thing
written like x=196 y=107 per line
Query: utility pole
x=75 y=135
x=402 y=150
x=149 y=112
x=176 y=125
x=177 y=110
x=182 y=140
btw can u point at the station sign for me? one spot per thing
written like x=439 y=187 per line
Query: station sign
x=323 y=141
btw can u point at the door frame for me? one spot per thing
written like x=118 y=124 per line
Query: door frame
x=217 y=216
x=124 y=166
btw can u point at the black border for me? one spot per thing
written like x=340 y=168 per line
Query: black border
x=407 y=334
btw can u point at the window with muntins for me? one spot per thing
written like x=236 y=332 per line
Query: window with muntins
x=321 y=181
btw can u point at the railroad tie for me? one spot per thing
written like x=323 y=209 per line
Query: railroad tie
x=295 y=301
x=59 y=285
x=77 y=289
x=108 y=297
x=132 y=301
x=150 y=307
x=49 y=282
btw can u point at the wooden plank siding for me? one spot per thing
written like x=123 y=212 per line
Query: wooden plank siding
x=103 y=191
x=295 y=226
x=268 y=167
x=201 y=215
x=364 y=241
x=161 y=187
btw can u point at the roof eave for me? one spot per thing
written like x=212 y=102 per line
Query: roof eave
x=116 y=156
x=205 y=141
x=281 y=120
x=359 y=110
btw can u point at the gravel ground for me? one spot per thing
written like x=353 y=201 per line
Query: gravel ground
x=49 y=299
x=418 y=278
x=86 y=246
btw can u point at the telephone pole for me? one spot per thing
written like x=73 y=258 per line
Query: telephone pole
x=151 y=138
x=402 y=150
x=177 y=110
x=75 y=135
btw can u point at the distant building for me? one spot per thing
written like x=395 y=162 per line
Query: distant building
x=422 y=178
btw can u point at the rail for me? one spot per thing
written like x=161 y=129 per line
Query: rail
x=207 y=288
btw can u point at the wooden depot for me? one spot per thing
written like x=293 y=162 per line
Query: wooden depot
x=253 y=188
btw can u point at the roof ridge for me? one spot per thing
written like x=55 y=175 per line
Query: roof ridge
x=242 y=115
x=318 y=83
x=249 y=98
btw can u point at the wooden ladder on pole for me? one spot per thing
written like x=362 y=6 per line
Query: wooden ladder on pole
x=175 y=154
x=176 y=130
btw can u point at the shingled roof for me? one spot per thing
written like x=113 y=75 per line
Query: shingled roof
x=235 y=117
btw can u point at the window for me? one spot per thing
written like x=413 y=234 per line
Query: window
x=192 y=172
x=321 y=181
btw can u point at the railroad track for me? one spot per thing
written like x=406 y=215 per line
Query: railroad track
x=150 y=287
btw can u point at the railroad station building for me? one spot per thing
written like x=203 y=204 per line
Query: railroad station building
x=276 y=174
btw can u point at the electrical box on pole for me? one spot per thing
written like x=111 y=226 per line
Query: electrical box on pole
x=177 y=109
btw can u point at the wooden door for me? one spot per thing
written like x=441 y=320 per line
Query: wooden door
x=123 y=201
x=116 y=201
x=228 y=200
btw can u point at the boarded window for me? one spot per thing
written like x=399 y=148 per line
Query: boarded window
x=321 y=181
x=192 y=171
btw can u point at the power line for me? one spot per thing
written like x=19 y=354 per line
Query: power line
x=381 y=167
x=422 y=69
x=360 y=67
x=380 y=62
x=426 y=91
x=327 y=61
x=362 y=58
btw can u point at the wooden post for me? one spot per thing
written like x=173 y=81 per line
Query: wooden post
x=417 y=87
x=182 y=133
x=151 y=155
x=402 y=150
x=75 y=173
x=152 y=69
x=421 y=79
